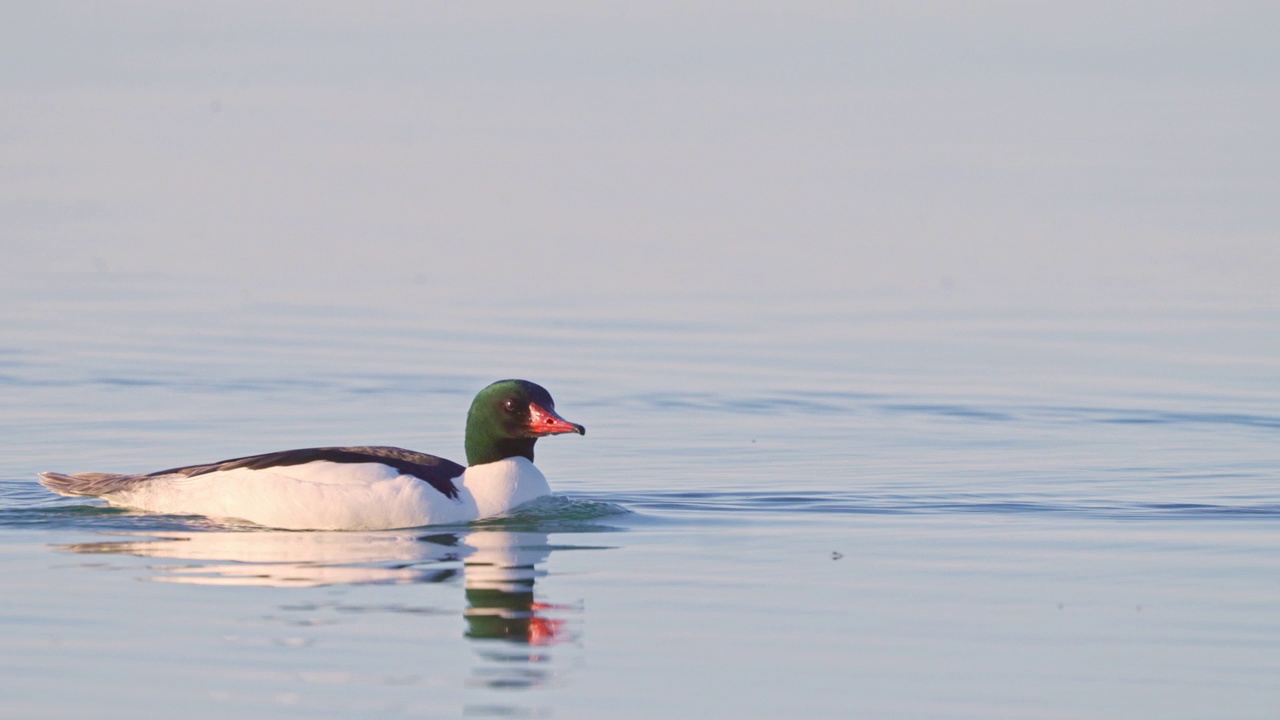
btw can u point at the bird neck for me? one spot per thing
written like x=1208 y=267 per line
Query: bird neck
x=485 y=446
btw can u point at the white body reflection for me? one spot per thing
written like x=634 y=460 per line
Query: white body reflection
x=499 y=568
x=508 y=629
x=286 y=559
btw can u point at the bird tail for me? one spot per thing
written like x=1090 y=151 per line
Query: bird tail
x=87 y=484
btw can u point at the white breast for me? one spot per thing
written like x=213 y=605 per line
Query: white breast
x=497 y=487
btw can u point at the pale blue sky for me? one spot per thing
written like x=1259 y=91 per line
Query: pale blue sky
x=1008 y=152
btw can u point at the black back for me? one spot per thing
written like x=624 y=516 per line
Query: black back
x=436 y=472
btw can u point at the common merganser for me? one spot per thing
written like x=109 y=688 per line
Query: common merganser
x=357 y=488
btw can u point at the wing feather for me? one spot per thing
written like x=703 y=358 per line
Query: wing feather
x=436 y=472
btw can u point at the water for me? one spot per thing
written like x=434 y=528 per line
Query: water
x=928 y=355
x=782 y=509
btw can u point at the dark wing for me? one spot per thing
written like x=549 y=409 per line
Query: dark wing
x=436 y=472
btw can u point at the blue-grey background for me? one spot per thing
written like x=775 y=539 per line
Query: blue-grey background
x=1017 y=151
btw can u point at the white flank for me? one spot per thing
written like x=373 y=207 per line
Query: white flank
x=338 y=496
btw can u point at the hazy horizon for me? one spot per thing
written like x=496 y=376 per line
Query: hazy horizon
x=1005 y=153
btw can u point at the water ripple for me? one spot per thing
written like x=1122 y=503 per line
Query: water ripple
x=781 y=402
x=806 y=403
x=845 y=503
x=25 y=506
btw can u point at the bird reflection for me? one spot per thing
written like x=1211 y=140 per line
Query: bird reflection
x=499 y=587
x=286 y=559
x=508 y=625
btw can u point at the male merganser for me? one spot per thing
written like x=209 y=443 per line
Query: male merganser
x=357 y=488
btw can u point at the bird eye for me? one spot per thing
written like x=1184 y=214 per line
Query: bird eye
x=510 y=405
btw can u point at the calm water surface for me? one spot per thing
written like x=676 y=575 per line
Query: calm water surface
x=785 y=507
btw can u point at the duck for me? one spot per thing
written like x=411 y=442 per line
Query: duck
x=356 y=488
